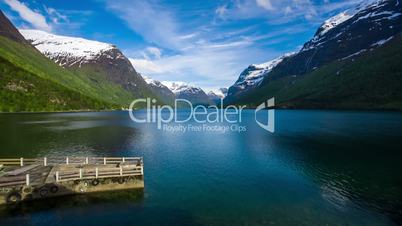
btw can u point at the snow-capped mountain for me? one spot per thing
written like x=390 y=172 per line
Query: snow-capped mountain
x=68 y=51
x=376 y=17
x=179 y=87
x=344 y=16
x=345 y=36
x=221 y=92
x=216 y=96
x=160 y=90
x=255 y=73
x=94 y=59
x=168 y=91
x=183 y=90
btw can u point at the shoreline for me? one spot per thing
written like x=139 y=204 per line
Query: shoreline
x=246 y=108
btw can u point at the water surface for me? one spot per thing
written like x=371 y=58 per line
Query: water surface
x=318 y=168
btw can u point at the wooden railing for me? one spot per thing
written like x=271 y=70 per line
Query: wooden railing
x=19 y=161
x=48 y=161
x=96 y=172
x=15 y=180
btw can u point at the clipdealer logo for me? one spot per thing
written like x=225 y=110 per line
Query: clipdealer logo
x=270 y=124
x=199 y=118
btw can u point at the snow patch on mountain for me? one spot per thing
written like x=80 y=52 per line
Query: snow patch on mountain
x=391 y=15
x=218 y=93
x=354 y=54
x=152 y=82
x=67 y=51
x=255 y=73
x=346 y=15
x=180 y=87
x=334 y=21
x=382 y=42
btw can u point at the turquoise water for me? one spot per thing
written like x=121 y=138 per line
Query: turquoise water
x=318 y=168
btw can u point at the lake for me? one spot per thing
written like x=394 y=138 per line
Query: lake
x=318 y=168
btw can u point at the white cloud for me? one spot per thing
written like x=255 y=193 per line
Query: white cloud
x=36 y=19
x=146 y=67
x=282 y=11
x=266 y=4
x=155 y=52
x=156 y=24
x=221 y=11
x=55 y=16
x=288 y=10
x=188 y=36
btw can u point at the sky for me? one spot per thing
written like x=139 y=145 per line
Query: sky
x=206 y=43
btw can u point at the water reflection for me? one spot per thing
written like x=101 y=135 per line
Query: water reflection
x=67 y=135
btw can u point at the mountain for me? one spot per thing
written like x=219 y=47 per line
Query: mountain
x=336 y=68
x=160 y=90
x=217 y=96
x=8 y=30
x=254 y=74
x=103 y=64
x=169 y=91
x=183 y=90
x=31 y=82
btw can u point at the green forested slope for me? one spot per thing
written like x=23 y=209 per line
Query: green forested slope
x=24 y=91
x=29 y=59
x=372 y=80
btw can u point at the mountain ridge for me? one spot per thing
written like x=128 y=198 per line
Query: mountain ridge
x=8 y=30
x=160 y=90
x=183 y=90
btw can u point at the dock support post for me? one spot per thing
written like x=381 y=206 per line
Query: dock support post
x=121 y=171
x=45 y=161
x=86 y=160
x=124 y=159
x=104 y=161
x=27 y=179
x=142 y=170
x=57 y=176
x=67 y=160
x=80 y=173
x=96 y=172
x=22 y=161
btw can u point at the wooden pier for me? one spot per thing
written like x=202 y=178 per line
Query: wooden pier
x=35 y=178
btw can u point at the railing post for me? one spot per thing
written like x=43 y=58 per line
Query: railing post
x=124 y=159
x=142 y=170
x=104 y=160
x=45 y=161
x=66 y=160
x=27 y=179
x=96 y=172
x=80 y=173
x=121 y=171
x=57 y=176
x=86 y=160
x=22 y=161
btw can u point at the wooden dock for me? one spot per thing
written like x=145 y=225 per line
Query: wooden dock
x=36 y=178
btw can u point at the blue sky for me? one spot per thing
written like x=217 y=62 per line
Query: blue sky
x=206 y=42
